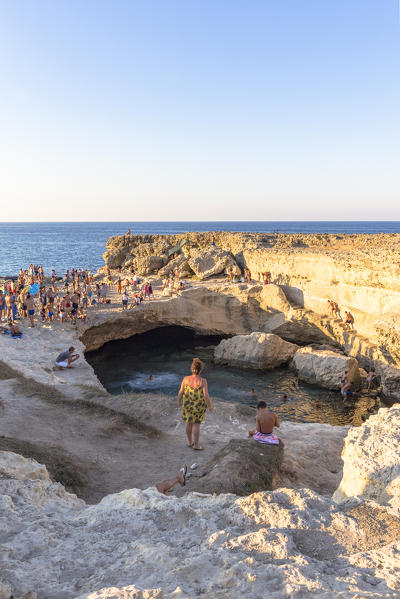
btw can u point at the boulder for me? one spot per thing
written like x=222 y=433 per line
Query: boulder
x=115 y=257
x=325 y=367
x=181 y=261
x=390 y=379
x=258 y=350
x=209 y=263
x=371 y=457
x=146 y=265
x=241 y=467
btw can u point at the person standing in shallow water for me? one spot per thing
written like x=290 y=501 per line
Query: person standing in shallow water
x=196 y=400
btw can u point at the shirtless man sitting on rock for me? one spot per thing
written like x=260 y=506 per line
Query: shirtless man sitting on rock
x=265 y=422
x=65 y=359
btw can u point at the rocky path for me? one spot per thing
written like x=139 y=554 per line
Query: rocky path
x=108 y=443
x=100 y=453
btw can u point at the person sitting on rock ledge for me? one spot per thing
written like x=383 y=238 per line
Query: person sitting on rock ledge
x=265 y=422
x=66 y=358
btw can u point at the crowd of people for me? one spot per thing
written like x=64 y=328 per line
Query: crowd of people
x=67 y=298
x=29 y=296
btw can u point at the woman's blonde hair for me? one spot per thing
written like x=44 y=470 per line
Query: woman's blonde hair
x=197 y=366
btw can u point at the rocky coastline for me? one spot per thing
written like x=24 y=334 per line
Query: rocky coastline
x=286 y=531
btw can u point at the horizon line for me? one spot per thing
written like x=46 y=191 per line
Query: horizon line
x=12 y=222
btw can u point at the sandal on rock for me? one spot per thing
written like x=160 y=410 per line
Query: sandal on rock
x=184 y=471
x=198 y=448
x=190 y=444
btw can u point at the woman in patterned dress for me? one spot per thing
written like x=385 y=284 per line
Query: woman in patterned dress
x=196 y=400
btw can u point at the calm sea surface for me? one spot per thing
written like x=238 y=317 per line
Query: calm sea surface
x=81 y=245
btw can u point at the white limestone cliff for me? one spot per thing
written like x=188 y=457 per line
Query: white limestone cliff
x=257 y=350
x=371 y=457
x=325 y=367
x=140 y=544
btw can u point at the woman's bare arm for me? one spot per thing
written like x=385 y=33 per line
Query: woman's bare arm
x=206 y=395
x=181 y=392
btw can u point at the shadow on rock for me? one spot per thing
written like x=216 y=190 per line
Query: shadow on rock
x=241 y=467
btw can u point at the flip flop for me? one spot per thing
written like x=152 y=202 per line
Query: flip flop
x=190 y=445
x=198 y=448
x=184 y=471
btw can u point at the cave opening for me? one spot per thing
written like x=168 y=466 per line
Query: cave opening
x=156 y=362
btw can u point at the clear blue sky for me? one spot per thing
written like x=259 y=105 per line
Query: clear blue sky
x=207 y=110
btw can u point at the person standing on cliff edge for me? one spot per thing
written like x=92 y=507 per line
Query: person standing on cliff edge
x=196 y=400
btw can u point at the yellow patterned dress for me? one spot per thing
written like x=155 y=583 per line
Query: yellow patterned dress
x=194 y=405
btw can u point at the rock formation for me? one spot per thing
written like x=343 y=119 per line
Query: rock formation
x=292 y=541
x=359 y=272
x=212 y=262
x=140 y=544
x=325 y=367
x=371 y=458
x=257 y=350
x=242 y=466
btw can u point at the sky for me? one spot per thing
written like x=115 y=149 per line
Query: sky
x=199 y=110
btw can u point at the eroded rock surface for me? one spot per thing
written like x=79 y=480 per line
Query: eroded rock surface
x=258 y=350
x=241 y=467
x=140 y=544
x=359 y=272
x=206 y=264
x=371 y=458
x=325 y=367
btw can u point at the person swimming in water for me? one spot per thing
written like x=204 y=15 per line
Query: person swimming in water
x=346 y=385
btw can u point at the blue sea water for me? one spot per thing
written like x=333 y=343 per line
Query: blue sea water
x=81 y=245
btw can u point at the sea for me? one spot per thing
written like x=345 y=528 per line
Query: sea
x=62 y=245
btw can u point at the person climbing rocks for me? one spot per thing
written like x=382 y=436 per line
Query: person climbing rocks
x=348 y=321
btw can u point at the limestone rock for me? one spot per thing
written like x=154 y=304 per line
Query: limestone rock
x=129 y=592
x=211 y=262
x=258 y=350
x=242 y=467
x=181 y=262
x=143 y=545
x=390 y=379
x=272 y=297
x=371 y=457
x=22 y=468
x=146 y=265
x=325 y=367
x=5 y=590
